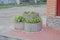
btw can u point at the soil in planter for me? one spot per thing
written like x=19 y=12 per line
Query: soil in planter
x=31 y=15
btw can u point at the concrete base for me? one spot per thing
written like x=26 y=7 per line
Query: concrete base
x=54 y=22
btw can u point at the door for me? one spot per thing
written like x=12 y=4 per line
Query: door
x=58 y=8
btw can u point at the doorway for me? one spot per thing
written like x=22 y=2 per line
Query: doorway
x=58 y=8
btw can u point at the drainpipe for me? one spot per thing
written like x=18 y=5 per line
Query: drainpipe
x=18 y=1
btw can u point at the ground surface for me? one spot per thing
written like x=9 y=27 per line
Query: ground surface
x=6 y=22
x=6 y=15
x=54 y=22
x=45 y=34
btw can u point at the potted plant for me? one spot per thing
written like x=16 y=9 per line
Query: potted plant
x=19 y=22
x=33 y=24
x=28 y=14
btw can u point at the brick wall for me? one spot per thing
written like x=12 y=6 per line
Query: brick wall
x=52 y=20
x=51 y=8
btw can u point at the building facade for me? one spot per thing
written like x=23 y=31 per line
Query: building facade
x=53 y=13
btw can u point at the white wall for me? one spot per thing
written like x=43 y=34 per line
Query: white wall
x=18 y=1
x=7 y=1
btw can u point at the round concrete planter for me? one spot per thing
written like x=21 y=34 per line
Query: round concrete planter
x=33 y=27
x=19 y=25
x=30 y=15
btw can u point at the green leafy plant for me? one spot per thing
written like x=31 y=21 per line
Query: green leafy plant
x=32 y=12
x=26 y=12
x=19 y=19
x=34 y=20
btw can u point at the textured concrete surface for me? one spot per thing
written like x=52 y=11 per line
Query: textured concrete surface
x=6 y=23
x=54 y=22
x=8 y=38
x=47 y=33
x=6 y=15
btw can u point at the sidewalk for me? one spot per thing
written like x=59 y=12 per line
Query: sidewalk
x=6 y=15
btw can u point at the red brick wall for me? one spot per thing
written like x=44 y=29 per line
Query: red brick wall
x=51 y=8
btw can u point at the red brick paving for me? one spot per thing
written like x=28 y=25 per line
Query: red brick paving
x=46 y=34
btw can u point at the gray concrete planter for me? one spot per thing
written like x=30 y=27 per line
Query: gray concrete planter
x=19 y=25
x=34 y=27
x=30 y=15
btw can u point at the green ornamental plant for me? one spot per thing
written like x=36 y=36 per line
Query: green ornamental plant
x=26 y=12
x=19 y=19
x=32 y=12
x=34 y=20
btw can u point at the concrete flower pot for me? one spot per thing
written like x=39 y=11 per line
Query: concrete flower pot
x=33 y=27
x=30 y=15
x=19 y=25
